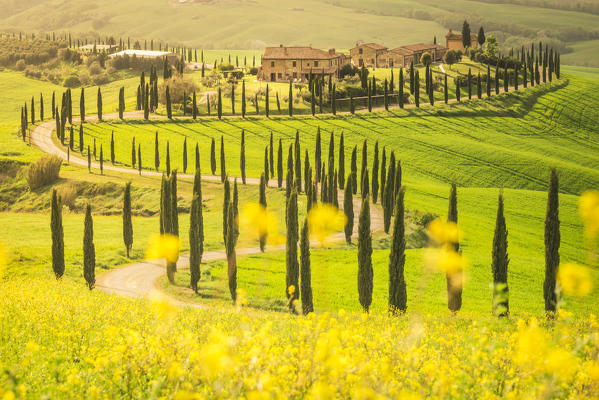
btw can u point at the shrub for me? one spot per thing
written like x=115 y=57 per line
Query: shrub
x=68 y=194
x=20 y=65
x=254 y=71
x=71 y=81
x=43 y=172
x=177 y=86
x=426 y=58
x=226 y=67
x=95 y=68
x=100 y=79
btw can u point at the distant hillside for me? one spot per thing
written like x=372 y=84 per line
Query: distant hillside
x=228 y=24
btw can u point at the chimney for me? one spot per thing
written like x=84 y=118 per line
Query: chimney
x=280 y=45
x=331 y=52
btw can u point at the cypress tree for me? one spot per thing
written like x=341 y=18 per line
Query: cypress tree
x=292 y=267
x=139 y=158
x=354 y=170
x=266 y=168
x=223 y=171
x=383 y=176
x=479 y=92
x=306 y=275
x=89 y=251
x=57 y=236
x=397 y=183
x=127 y=225
x=417 y=89
x=454 y=281
x=466 y=38
x=212 y=157
x=32 y=110
x=71 y=139
x=263 y=204
x=333 y=101
x=133 y=153
x=375 y=173
x=369 y=97
x=122 y=102
x=290 y=164
x=226 y=203
x=400 y=90
x=488 y=80
x=54 y=104
x=312 y=101
x=307 y=173
x=271 y=156
x=156 y=153
x=169 y=111
x=445 y=91
x=552 y=243
x=174 y=208
x=280 y=165
x=364 y=163
x=99 y=103
x=168 y=159
x=364 y=185
x=290 y=99
x=194 y=254
x=499 y=264
x=81 y=144
x=89 y=160
x=185 y=155
x=341 y=162
x=242 y=157
x=317 y=156
x=506 y=79
x=469 y=83
x=457 y=89
x=42 y=100
x=230 y=242
x=82 y=105
x=497 y=79
x=101 y=160
x=197 y=158
x=348 y=209
x=389 y=194
x=412 y=76
x=233 y=99
x=267 y=102
x=365 y=272
x=194 y=106
x=397 y=259
x=298 y=163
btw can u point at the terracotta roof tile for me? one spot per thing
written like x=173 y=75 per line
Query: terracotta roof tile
x=305 y=52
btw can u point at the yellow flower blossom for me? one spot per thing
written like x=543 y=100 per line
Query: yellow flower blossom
x=2 y=258
x=574 y=279
x=443 y=232
x=445 y=259
x=259 y=223
x=588 y=206
x=163 y=246
x=324 y=220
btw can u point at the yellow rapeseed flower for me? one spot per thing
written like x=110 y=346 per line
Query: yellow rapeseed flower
x=163 y=246
x=258 y=222
x=2 y=258
x=574 y=279
x=325 y=220
x=588 y=206
x=445 y=259
x=443 y=232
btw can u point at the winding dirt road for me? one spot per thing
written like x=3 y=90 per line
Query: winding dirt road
x=139 y=279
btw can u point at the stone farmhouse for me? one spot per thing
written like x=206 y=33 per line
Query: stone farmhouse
x=453 y=41
x=403 y=56
x=296 y=63
x=367 y=54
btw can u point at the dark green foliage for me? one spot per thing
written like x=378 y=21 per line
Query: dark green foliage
x=156 y=153
x=197 y=159
x=479 y=92
x=397 y=184
x=307 y=170
x=466 y=35
x=223 y=171
x=267 y=102
x=400 y=90
x=139 y=166
x=292 y=267
x=364 y=164
x=101 y=160
x=298 y=163
x=195 y=254
x=185 y=155
x=89 y=160
x=194 y=106
x=127 y=224
x=99 y=102
x=454 y=286
x=306 y=275
x=469 y=83
x=354 y=170
x=271 y=156
x=499 y=264
x=341 y=162
x=333 y=101
x=82 y=105
x=89 y=251
x=481 y=36
x=445 y=90
x=369 y=97
x=290 y=98
x=57 y=236
x=375 y=173
x=417 y=89
x=386 y=93
x=233 y=99
x=383 y=176
x=168 y=159
x=263 y=203
x=226 y=203
x=280 y=165
x=133 y=153
x=174 y=209
x=389 y=194
x=290 y=164
x=212 y=157
x=219 y=105
x=364 y=185
x=397 y=259
x=317 y=156
x=122 y=102
x=552 y=243
x=365 y=272
x=348 y=209
x=242 y=157
x=230 y=242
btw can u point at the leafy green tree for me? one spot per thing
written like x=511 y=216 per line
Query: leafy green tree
x=426 y=59
x=127 y=224
x=365 y=272
x=491 y=46
x=306 y=275
x=292 y=267
x=57 y=236
x=397 y=259
x=499 y=265
x=89 y=250
x=552 y=243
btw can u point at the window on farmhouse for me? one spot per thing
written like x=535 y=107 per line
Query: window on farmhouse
x=294 y=64
x=272 y=63
x=361 y=51
x=280 y=75
x=316 y=63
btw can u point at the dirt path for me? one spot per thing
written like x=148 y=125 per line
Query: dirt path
x=139 y=279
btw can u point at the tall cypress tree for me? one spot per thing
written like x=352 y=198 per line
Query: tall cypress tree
x=454 y=280
x=397 y=259
x=174 y=208
x=348 y=209
x=290 y=98
x=242 y=157
x=81 y=144
x=364 y=163
x=263 y=204
x=417 y=89
x=466 y=35
x=194 y=106
x=101 y=160
x=400 y=89
x=42 y=99
x=271 y=156
x=280 y=165
x=185 y=155
x=354 y=170
x=306 y=275
x=127 y=225
x=99 y=103
x=122 y=102
x=230 y=242
x=168 y=159
x=139 y=166
x=383 y=176
x=169 y=111
x=82 y=105
x=375 y=173
x=499 y=265
x=317 y=156
x=341 y=168
x=156 y=153
x=89 y=250
x=298 y=163
x=292 y=267
x=212 y=157
x=389 y=194
x=243 y=99
x=226 y=203
x=552 y=243
x=57 y=236
x=194 y=247
x=365 y=272
x=223 y=171
x=469 y=83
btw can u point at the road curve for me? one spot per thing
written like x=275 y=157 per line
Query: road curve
x=139 y=279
